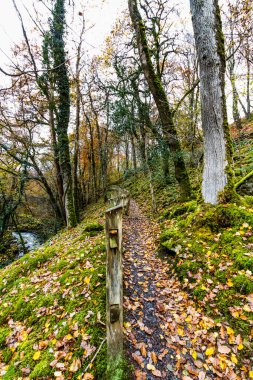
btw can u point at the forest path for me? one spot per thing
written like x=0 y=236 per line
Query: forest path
x=166 y=335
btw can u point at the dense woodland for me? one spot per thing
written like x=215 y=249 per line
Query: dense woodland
x=78 y=124
x=165 y=111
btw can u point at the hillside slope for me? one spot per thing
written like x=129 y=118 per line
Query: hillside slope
x=209 y=248
x=53 y=307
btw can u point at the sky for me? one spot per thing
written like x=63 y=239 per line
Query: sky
x=101 y=13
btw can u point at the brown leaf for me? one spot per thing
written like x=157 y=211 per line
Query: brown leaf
x=154 y=357
x=76 y=364
x=161 y=356
x=157 y=373
x=138 y=359
x=143 y=350
x=140 y=375
x=88 y=376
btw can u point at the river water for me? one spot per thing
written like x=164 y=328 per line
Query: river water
x=31 y=241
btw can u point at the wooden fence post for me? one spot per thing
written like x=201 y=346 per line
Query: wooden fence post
x=114 y=285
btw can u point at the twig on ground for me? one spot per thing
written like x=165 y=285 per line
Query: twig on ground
x=94 y=357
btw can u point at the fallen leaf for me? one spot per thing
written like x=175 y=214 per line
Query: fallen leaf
x=143 y=350
x=224 y=349
x=88 y=376
x=209 y=351
x=138 y=359
x=76 y=364
x=154 y=357
x=36 y=355
x=140 y=375
x=150 y=367
x=234 y=359
x=157 y=373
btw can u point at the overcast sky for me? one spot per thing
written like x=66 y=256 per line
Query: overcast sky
x=101 y=13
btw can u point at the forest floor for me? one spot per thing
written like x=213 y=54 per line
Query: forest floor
x=167 y=334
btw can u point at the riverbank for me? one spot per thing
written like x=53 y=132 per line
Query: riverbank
x=16 y=244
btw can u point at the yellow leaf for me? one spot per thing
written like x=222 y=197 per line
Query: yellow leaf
x=247 y=308
x=229 y=283
x=234 y=359
x=209 y=351
x=240 y=347
x=188 y=319
x=68 y=337
x=23 y=335
x=230 y=331
x=150 y=367
x=36 y=356
x=223 y=365
x=251 y=374
x=87 y=280
x=194 y=355
x=180 y=331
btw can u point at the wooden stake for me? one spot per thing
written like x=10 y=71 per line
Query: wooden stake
x=114 y=286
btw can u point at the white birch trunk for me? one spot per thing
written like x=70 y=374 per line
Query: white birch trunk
x=207 y=30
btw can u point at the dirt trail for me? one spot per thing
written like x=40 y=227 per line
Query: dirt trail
x=141 y=273
x=166 y=336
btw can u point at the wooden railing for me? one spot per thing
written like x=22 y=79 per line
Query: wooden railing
x=119 y=200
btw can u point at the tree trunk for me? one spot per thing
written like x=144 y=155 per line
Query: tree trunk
x=160 y=97
x=231 y=67
x=56 y=160
x=248 y=85
x=63 y=114
x=77 y=133
x=133 y=153
x=127 y=153
x=217 y=142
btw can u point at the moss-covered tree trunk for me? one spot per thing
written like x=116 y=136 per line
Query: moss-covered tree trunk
x=218 y=173
x=63 y=109
x=161 y=100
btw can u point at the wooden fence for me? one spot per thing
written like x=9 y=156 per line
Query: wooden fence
x=119 y=200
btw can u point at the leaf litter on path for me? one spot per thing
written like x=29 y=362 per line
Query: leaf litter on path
x=167 y=335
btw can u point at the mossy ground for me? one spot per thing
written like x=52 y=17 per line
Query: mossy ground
x=53 y=304
x=214 y=261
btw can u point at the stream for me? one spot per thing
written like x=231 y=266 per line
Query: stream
x=31 y=241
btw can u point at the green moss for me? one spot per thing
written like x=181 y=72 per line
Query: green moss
x=91 y=227
x=4 y=332
x=221 y=276
x=22 y=309
x=187 y=268
x=243 y=284
x=168 y=234
x=244 y=262
x=42 y=369
x=199 y=293
x=118 y=369
x=224 y=216
x=10 y=374
x=7 y=355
